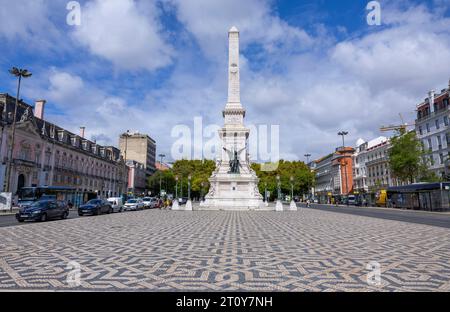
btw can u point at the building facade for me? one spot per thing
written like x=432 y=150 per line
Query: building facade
x=137 y=178
x=141 y=148
x=45 y=154
x=333 y=175
x=432 y=129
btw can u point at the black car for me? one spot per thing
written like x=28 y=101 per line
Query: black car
x=183 y=200
x=43 y=210
x=95 y=207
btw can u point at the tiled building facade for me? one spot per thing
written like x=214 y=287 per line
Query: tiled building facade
x=46 y=154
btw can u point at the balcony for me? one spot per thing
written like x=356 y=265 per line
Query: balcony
x=439 y=112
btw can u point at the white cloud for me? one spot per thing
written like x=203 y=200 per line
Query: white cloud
x=28 y=23
x=124 y=32
x=208 y=21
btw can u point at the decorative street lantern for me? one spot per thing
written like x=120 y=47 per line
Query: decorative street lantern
x=279 y=187
x=189 y=187
x=176 y=187
x=292 y=187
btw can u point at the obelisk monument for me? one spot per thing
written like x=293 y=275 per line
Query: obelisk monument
x=234 y=185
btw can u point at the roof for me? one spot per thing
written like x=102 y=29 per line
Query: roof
x=419 y=187
x=376 y=141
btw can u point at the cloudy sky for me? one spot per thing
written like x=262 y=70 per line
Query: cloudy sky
x=313 y=67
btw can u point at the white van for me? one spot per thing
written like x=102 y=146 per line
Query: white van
x=116 y=204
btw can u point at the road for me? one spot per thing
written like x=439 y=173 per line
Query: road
x=418 y=217
x=10 y=220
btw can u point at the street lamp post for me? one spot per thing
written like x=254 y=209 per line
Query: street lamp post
x=279 y=205
x=176 y=188
x=189 y=201
x=343 y=134
x=307 y=158
x=161 y=157
x=189 y=187
x=265 y=192
x=279 y=187
x=19 y=73
x=181 y=187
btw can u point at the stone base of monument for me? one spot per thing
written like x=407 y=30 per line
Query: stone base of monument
x=279 y=206
x=293 y=206
x=188 y=205
x=175 y=205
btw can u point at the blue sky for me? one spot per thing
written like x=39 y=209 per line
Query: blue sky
x=312 y=67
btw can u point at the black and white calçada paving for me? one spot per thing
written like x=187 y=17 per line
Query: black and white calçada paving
x=154 y=250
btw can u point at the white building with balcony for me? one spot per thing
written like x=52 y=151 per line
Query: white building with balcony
x=432 y=129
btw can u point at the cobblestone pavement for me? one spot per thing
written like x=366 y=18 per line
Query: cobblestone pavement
x=157 y=250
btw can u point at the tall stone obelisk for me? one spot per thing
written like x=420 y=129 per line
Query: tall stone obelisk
x=234 y=185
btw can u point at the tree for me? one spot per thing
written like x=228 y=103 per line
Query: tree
x=406 y=157
x=303 y=178
x=200 y=171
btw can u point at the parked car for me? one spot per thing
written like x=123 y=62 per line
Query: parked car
x=147 y=202
x=95 y=207
x=116 y=204
x=182 y=200
x=43 y=210
x=134 y=204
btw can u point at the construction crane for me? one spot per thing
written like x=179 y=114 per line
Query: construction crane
x=400 y=128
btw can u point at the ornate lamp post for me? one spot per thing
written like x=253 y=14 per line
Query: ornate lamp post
x=189 y=187
x=19 y=73
x=176 y=187
x=265 y=192
x=279 y=187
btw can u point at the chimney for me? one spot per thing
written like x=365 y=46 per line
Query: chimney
x=82 y=130
x=431 y=100
x=39 y=106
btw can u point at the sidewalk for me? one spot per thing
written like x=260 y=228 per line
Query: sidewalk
x=388 y=209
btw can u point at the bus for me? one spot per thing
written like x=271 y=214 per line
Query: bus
x=28 y=195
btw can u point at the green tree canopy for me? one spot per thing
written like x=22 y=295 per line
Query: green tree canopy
x=406 y=158
x=303 y=178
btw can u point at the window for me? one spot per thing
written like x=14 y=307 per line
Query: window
x=428 y=127
x=446 y=120
x=437 y=123
x=431 y=160
x=420 y=130
x=430 y=146
x=441 y=158
x=439 y=142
